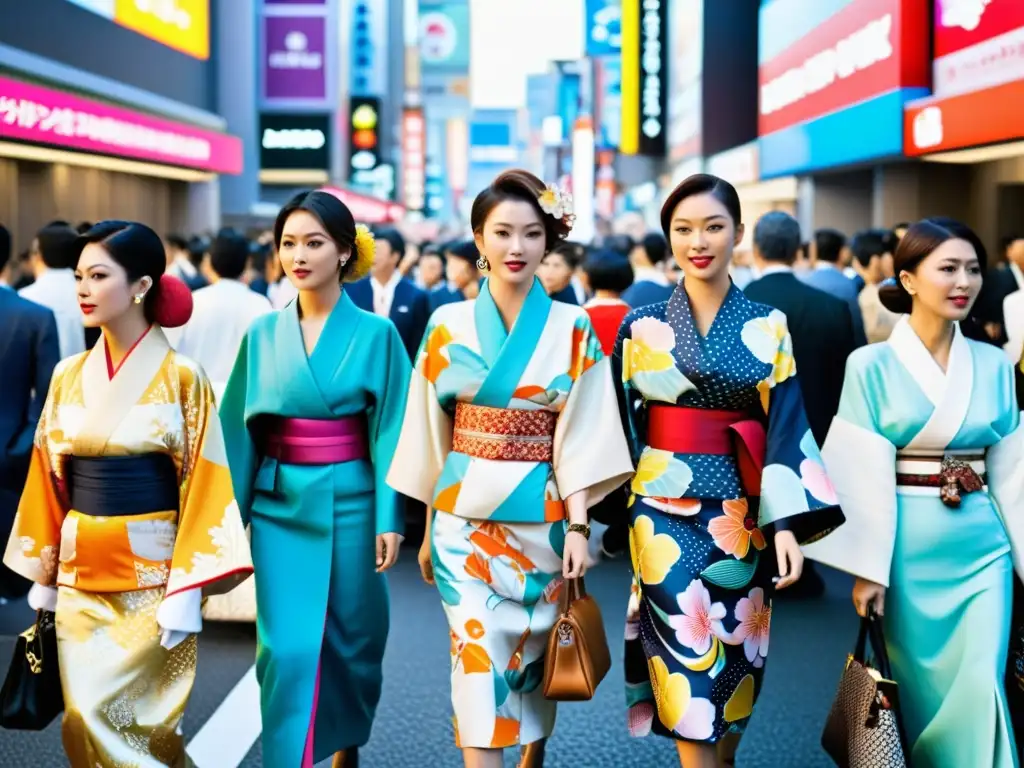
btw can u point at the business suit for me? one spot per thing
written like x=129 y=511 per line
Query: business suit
x=822 y=332
x=29 y=350
x=828 y=278
x=410 y=309
x=645 y=292
x=444 y=295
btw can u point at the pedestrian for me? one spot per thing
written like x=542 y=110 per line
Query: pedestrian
x=725 y=462
x=128 y=515
x=311 y=413
x=925 y=453
x=504 y=441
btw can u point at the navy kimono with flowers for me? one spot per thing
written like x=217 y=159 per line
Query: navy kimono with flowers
x=700 y=609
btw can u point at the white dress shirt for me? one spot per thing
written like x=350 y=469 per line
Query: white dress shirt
x=384 y=295
x=281 y=292
x=221 y=315
x=55 y=289
x=650 y=275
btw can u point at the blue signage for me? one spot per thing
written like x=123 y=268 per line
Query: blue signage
x=603 y=21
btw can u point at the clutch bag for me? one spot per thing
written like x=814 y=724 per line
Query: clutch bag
x=864 y=728
x=31 y=696
x=577 y=655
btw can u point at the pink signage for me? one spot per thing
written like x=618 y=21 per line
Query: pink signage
x=31 y=113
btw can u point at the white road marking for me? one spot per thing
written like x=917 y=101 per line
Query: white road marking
x=226 y=738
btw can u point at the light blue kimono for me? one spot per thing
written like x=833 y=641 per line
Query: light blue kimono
x=319 y=599
x=948 y=570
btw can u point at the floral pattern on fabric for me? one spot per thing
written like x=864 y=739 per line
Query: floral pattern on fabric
x=699 y=616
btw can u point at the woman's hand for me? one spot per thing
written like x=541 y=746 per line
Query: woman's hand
x=426 y=564
x=387 y=550
x=574 y=555
x=868 y=594
x=791 y=559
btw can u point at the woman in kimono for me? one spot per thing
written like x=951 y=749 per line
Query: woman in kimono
x=726 y=467
x=128 y=515
x=311 y=415
x=503 y=441
x=926 y=458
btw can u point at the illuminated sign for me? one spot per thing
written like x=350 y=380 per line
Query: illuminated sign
x=364 y=140
x=295 y=142
x=644 y=77
x=43 y=116
x=944 y=124
x=414 y=159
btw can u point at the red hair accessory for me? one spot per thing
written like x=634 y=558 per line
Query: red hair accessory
x=172 y=305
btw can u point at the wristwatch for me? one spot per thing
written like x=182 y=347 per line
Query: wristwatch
x=579 y=528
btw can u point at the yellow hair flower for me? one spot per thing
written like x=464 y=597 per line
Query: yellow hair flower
x=364 y=250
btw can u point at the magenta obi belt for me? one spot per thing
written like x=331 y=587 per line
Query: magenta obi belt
x=308 y=442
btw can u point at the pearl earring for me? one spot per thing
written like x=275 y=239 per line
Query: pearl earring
x=139 y=297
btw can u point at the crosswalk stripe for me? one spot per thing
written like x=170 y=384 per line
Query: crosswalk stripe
x=226 y=738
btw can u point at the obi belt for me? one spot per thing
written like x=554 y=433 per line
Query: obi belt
x=119 y=534
x=706 y=431
x=948 y=475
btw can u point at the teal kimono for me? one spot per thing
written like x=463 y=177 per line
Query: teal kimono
x=319 y=598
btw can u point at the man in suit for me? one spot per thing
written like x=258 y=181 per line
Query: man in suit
x=387 y=294
x=827 y=276
x=650 y=284
x=822 y=332
x=462 y=273
x=29 y=350
x=820 y=325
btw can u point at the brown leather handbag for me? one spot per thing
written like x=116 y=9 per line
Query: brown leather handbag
x=577 y=658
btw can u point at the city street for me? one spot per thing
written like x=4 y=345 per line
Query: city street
x=810 y=640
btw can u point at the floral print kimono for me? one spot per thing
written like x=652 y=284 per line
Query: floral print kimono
x=725 y=458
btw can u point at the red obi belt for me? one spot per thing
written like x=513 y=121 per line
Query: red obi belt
x=714 y=433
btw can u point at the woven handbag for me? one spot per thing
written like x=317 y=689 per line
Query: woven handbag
x=864 y=729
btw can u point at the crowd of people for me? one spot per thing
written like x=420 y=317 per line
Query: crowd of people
x=316 y=393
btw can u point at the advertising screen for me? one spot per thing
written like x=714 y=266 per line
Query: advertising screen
x=83 y=34
x=183 y=25
x=295 y=142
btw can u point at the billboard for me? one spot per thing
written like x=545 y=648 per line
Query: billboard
x=183 y=25
x=44 y=116
x=822 y=74
x=603 y=20
x=444 y=37
x=978 y=79
x=292 y=141
x=294 y=60
x=686 y=55
x=414 y=159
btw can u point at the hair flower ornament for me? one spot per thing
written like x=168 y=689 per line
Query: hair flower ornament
x=558 y=204
x=365 y=247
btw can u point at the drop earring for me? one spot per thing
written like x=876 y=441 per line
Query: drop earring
x=139 y=297
x=483 y=264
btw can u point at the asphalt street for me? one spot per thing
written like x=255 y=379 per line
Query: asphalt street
x=809 y=643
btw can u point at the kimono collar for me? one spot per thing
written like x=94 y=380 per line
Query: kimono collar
x=507 y=353
x=948 y=391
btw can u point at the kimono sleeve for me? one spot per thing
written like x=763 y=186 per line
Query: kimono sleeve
x=238 y=444
x=1004 y=465
x=34 y=543
x=630 y=400
x=861 y=465
x=426 y=433
x=211 y=550
x=385 y=422
x=590 y=450
x=796 y=494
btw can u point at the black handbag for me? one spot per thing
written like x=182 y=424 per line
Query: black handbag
x=864 y=728
x=32 y=696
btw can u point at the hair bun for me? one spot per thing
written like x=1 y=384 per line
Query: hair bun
x=894 y=296
x=172 y=305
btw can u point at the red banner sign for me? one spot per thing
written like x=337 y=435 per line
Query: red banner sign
x=866 y=49
x=366 y=209
x=959 y=24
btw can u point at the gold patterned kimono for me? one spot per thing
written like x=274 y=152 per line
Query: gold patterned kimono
x=128 y=580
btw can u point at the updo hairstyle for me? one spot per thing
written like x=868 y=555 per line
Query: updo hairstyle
x=340 y=225
x=140 y=252
x=917 y=244
x=701 y=184
x=521 y=186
